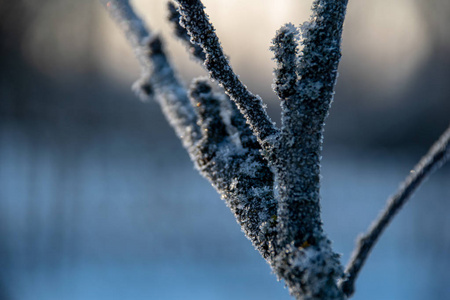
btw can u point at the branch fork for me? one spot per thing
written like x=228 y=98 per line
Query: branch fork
x=269 y=177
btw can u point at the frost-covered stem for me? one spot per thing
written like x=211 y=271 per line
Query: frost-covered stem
x=437 y=156
x=181 y=32
x=158 y=77
x=273 y=193
x=202 y=32
x=306 y=87
x=238 y=121
x=317 y=70
x=233 y=164
x=285 y=48
x=212 y=127
x=239 y=174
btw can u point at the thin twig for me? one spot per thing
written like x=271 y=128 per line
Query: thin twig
x=158 y=76
x=306 y=88
x=235 y=168
x=236 y=117
x=240 y=175
x=203 y=33
x=285 y=49
x=433 y=160
x=174 y=17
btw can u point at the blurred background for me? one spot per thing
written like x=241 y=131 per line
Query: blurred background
x=98 y=200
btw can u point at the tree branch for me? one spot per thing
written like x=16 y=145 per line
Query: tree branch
x=240 y=175
x=158 y=77
x=237 y=120
x=275 y=196
x=305 y=84
x=311 y=94
x=269 y=178
x=285 y=49
x=233 y=165
x=202 y=32
x=437 y=156
x=174 y=17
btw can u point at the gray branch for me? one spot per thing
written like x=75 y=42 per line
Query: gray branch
x=158 y=76
x=201 y=31
x=194 y=49
x=285 y=48
x=213 y=131
x=305 y=99
x=305 y=83
x=269 y=177
x=239 y=174
x=438 y=154
x=236 y=117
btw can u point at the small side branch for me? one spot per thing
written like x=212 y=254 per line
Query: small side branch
x=237 y=120
x=285 y=49
x=207 y=108
x=158 y=76
x=239 y=174
x=433 y=160
x=305 y=83
x=214 y=133
x=124 y=15
x=317 y=67
x=202 y=32
x=174 y=17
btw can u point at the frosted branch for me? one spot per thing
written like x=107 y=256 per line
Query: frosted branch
x=237 y=119
x=174 y=17
x=305 y=83
x=158 y=77
x=212 y=127
x=269 y=178
x=215 y=134
x=202 y=32
x=317 y=68
x=306 y=89
x=240 y=175
x=285 y=48
x=437 y=156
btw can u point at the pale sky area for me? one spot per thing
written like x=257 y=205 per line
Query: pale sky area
x=384 y=41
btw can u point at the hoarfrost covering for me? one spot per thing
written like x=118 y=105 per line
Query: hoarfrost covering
x=269 y=177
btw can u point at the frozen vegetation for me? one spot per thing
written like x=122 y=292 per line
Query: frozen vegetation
x=95 y=203
x=269 y=176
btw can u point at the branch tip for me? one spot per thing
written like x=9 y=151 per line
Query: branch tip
x=285 y=49
x=175 y=18
x=436 y=157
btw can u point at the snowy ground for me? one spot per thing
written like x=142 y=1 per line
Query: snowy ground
x=106 y=215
